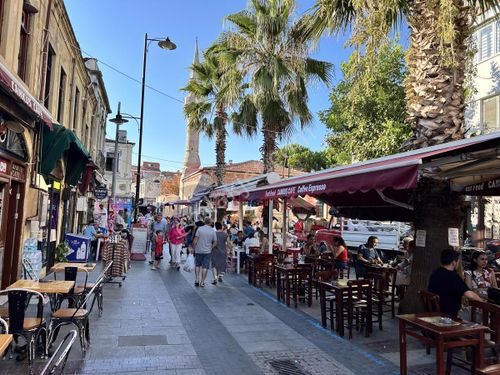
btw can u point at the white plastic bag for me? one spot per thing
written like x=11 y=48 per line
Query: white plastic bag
x=189 y=266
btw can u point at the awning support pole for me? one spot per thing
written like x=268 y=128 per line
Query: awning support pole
x=394 y=202
x=240 y=215
x=284 y=228
x=270 y=229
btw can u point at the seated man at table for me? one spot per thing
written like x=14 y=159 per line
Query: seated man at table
x=448 y=285
x=239 y=241
x=92 y=231
x=367 y=254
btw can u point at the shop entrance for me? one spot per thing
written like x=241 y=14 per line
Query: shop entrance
x=11 y=228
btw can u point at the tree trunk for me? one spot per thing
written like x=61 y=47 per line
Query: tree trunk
x=435 y=83
x=437 y=208
x=220 y=157
x=268 y=148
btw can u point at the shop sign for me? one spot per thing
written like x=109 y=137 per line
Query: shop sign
x=22 y=94
x=491 y=187
x=18 y=172
x=100 y=192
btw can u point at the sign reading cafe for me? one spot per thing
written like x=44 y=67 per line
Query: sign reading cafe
x=309 y=189
x=491 y=187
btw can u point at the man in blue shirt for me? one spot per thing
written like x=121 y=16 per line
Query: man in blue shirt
x=367 y=254
x=91 y=231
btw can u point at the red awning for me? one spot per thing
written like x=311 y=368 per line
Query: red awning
x=17 y=89
x=384 y=188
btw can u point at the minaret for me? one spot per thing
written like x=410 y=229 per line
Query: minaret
x=192 y=157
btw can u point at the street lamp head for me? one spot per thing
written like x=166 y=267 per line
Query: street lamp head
x=118 y=120
x=167 y=44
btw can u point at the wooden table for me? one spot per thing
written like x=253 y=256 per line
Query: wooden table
x=442 y=337
x=237 y=251
x=5 y=340
x=339 y=290
x=89 y=267
x=47 y=287
x=293 y=273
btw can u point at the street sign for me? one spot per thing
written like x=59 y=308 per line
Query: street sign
x=100 y=192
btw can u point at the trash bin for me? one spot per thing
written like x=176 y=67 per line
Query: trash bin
x=79 y=248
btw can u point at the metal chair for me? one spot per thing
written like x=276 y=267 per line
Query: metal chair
x=78 y=316
x=99 y=289
x=28 y=271
x=77 y=293
x=60 y=356
x=29 y=327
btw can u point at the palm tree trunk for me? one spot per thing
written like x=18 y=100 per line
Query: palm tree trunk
x=220 y=157
x=437 y=208
x=268 y=148
x=435 y=105
x=435 y=86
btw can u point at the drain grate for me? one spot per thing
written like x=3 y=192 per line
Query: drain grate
x=287 y=367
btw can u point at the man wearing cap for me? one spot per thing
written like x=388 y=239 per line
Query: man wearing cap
x=103 y=216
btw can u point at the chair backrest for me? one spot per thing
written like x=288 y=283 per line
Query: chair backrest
x=19 y=299
x=28 y=270
x=490 y=315
x=360 y=290
x=5 y=326
x=254 y=250
x=60 y=356
x=327 y=275
x=429 y=301
x=281 y=255
x=70 y=273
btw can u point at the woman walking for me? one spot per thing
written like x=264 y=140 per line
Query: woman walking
x=176 y=239
x=219 y=253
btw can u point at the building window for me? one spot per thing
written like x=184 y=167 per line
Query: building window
x=76 y=108
x=48 y=76
x=489 y=113
x=24 y=43
x=110 y=157
x=62 y=91
x=497 y=37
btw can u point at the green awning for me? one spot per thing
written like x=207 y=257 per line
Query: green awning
x=61 y=142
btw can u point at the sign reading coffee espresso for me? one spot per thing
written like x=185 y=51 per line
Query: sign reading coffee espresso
x=100 y=192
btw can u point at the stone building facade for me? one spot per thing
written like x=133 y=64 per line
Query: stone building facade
x=124 y=171
x=47 y=94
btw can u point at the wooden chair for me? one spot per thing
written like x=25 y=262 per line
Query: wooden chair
x=429 y=301
x=320 y=278
x=281 y=256
x=254 y=250
x=359 y=305
x=264 y=270
x=489 y=316
x=301 y=284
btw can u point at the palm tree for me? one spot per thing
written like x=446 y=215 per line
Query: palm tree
x=274 y=60
x=215 y=88
x=438 y=55
x=437 y=59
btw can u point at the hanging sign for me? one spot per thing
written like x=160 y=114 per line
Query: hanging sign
x=420 y=238
x=453 y=238
x=491 y=187
x=100 y=192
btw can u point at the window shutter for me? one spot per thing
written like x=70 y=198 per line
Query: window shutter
x=486 y=42
x=497 y=36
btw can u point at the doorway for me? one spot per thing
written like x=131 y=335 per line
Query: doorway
x=12 y=234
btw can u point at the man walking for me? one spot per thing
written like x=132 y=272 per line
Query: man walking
x=204 y=241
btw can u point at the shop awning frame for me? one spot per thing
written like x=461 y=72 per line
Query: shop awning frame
x=239 y=187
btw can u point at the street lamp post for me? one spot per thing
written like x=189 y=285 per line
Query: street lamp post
x=164 y=43
x=118 y=120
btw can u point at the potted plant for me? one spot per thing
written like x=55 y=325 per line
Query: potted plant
x=61 y=251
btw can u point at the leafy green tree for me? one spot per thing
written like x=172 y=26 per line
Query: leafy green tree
x=367 y=114
x=300 y=157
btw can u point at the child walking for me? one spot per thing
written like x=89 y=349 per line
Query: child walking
x=159 y=241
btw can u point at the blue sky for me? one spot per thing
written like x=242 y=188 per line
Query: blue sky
x=113 y=32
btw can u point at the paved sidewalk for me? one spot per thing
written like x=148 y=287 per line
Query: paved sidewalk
x=159 y=323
